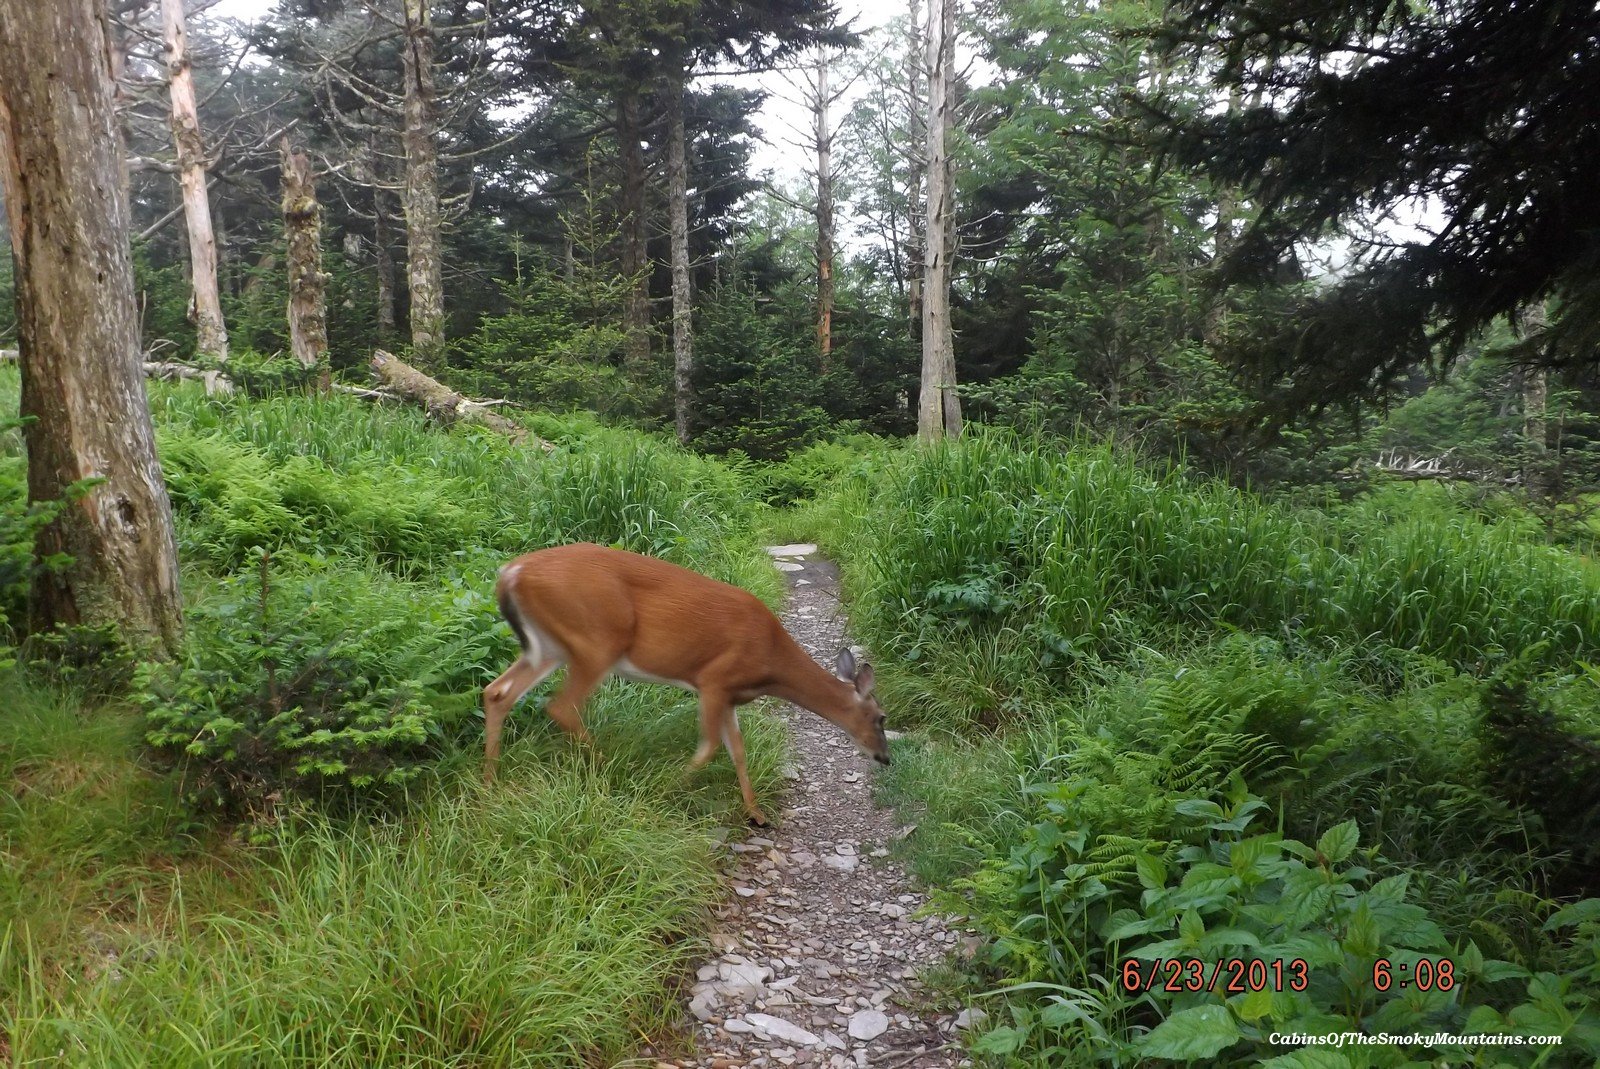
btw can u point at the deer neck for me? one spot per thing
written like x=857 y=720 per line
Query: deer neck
x=806 y=683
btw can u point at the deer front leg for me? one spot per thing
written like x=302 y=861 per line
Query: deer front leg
x=734 y=740
x=712 y=713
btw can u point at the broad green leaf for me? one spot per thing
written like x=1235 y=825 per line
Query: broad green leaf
x=1338 y=843
x=1198 y=1032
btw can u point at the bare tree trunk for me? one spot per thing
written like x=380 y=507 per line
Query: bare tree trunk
x=77 y=327
x=383 y=266
x=678 y=207
x=1537 y=473
x=302 y=225
x=635 y=249
x=206 y=306
x=939 y=407
x=824 y=142
x=916 y=53
x=424 y=266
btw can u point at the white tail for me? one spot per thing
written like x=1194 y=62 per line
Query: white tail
x=600 y=610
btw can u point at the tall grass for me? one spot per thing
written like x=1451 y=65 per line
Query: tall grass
x=1025 y=564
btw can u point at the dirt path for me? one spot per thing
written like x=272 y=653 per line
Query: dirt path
x=819 y=954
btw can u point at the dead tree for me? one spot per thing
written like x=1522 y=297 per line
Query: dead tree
x=816 y=92
x=916 y=53
x=420 y=136
x=635 y=221
x=822 y=135
x=939 y=406
x=206 y=300
x=90 y=441
x=682 y=308
x=393 y=132
x=302 y=226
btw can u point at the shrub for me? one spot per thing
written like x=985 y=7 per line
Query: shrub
x=318 y=682
x=1106 y=890
x=811 y=471
x=237 y=501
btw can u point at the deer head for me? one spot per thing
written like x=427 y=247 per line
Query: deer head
x=864 y=721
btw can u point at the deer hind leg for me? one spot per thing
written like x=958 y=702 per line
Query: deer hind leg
x=500 y=696
x=734 y=740
x=583 y=677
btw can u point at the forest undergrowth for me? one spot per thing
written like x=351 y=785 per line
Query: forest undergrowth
x=1161 y=720
x=276 y=849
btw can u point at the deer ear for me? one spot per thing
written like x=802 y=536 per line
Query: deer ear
x=864 y=680
x=845 y=666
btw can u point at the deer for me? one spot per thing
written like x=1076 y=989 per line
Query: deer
x=601 y=611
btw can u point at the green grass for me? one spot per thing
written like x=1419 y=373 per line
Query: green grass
x=537 y=922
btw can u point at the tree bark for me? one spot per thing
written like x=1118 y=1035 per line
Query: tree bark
x=824 y=142
x=1538 y=473
x=302 y=225
x=424 y=264
x=383 y=267
x=635 y=246
x=916 y=165
x=939 y=407
x=77 y=327
x=682 y=307
x=206 y=302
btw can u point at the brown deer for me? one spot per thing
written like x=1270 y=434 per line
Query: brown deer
x=600 y=610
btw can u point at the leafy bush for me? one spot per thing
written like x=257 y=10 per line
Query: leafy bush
x=20 y=521
x=811 y=471
x=333 y=680
x=1543 y=762
x=235 y=501
x=1100 y=893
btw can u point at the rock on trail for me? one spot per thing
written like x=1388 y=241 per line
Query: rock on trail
x=818 y=950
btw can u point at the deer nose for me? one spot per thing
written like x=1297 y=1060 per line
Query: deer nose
x=881 y=758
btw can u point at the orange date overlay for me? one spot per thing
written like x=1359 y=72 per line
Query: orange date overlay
x=1229 y=975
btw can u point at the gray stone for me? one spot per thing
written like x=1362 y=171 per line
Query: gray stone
x=796 y=549
x=778 y=1028
x=867 y=1025
x=971 y=1018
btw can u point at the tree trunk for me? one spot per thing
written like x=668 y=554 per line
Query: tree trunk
x=939 y=407
x=824 y=142
x=682 y=309
x=77 y=328
x=1538 y=472
x=206 y=302
x=302 y=225
x=424 y=266
x=916 y=167
x=383 y=266
x=635 y=247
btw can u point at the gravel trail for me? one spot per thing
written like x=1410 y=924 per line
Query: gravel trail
x=818 y=954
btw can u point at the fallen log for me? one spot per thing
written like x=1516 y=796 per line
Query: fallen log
x=440 y=401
